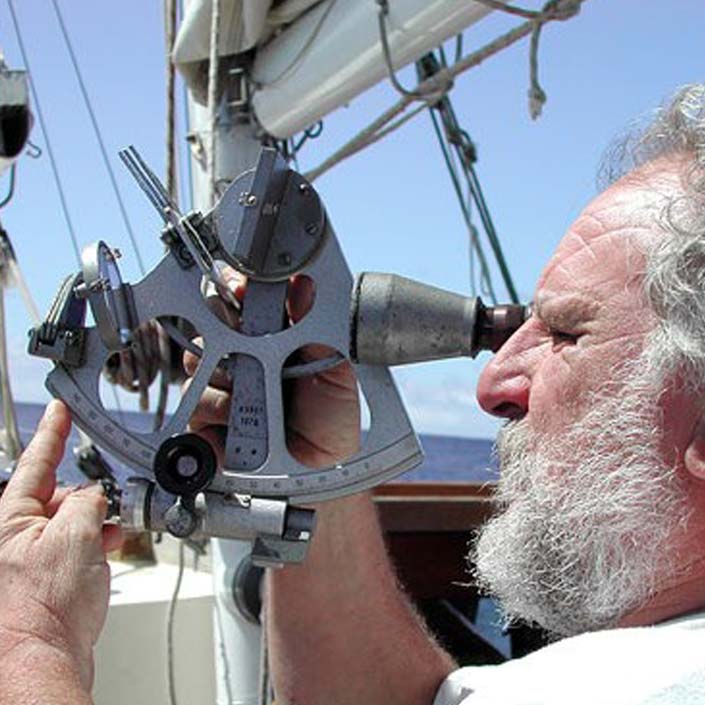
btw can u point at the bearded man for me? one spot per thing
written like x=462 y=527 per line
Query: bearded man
x=600 y=530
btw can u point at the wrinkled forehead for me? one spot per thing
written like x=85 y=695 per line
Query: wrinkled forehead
x=606 y=245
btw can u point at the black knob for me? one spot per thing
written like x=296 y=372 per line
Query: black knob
x=181 y=520
x=184 y=464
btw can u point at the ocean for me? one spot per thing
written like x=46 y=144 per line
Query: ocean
x=447 y=458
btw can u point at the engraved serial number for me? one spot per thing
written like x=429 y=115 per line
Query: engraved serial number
x=252 y=409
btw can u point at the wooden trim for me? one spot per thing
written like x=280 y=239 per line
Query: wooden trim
x=432 y=508
x=435 y=489
x=428 y=528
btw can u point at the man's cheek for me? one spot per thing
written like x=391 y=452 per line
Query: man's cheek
x=555 y=400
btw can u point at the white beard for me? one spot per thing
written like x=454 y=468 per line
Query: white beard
x=586 y=519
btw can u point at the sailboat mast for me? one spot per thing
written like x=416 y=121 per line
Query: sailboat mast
x=237 y=638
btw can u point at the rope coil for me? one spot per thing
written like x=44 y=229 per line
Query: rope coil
x=430 y=95
x=552 y=10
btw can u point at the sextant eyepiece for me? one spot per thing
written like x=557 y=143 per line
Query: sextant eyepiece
x=494 y=325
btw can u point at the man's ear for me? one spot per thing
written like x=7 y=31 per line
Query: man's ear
x=694 y=457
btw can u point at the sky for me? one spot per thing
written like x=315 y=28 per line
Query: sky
x=392 y=206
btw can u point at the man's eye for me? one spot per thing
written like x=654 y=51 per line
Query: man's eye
x=561 y=338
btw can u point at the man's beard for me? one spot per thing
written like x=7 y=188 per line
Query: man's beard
x=586 y=519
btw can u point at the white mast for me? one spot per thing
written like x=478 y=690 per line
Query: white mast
x=312 y=67
x=237 y=647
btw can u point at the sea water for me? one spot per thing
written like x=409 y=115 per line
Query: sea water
x=446 y=458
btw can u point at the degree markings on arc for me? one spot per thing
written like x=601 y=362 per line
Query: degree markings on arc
x=340 y=476
x=108 y=428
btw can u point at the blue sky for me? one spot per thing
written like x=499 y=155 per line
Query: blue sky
x=392 y=206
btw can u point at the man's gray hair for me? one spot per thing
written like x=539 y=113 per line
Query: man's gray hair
x=675 y=271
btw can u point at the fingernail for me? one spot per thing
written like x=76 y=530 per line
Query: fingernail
x=49 y=408
x=93 y=488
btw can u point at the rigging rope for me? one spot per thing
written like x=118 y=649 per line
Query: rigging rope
x=11 y=443
x=85 y=441
x=472 y=231
x=11 y=188
x=135 y=368
x=213 y=95
x=45 y=132
x=393 y=126
x=310 y=133
x=33 y=151
x=222 y=653
x=537 y=96
x=553 y=9
x=417 y=94
x=264 y=674
x=510 y=9
x=140 y=375
x=139 y=364
x=170 y=33
x=466 y=155
x=479 y=198
x=170 y=18
x=367 y=136
x=171 y=614
x=99 y=136
x=188 y=181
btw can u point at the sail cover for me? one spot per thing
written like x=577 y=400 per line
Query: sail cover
x=313 y=56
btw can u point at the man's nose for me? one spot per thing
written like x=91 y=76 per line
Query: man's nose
x=505 y=383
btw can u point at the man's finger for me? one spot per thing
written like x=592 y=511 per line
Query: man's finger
x=191 y=360
x=213 y=409
x=60 y=494
x=301 y=296
x=34 y=480
x=215 y=435
x=219 y=379
x=234 y=280
x=82 y=512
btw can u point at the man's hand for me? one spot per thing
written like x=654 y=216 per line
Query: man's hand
x=54 y=579
x=323 y=419
x=340 y=631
